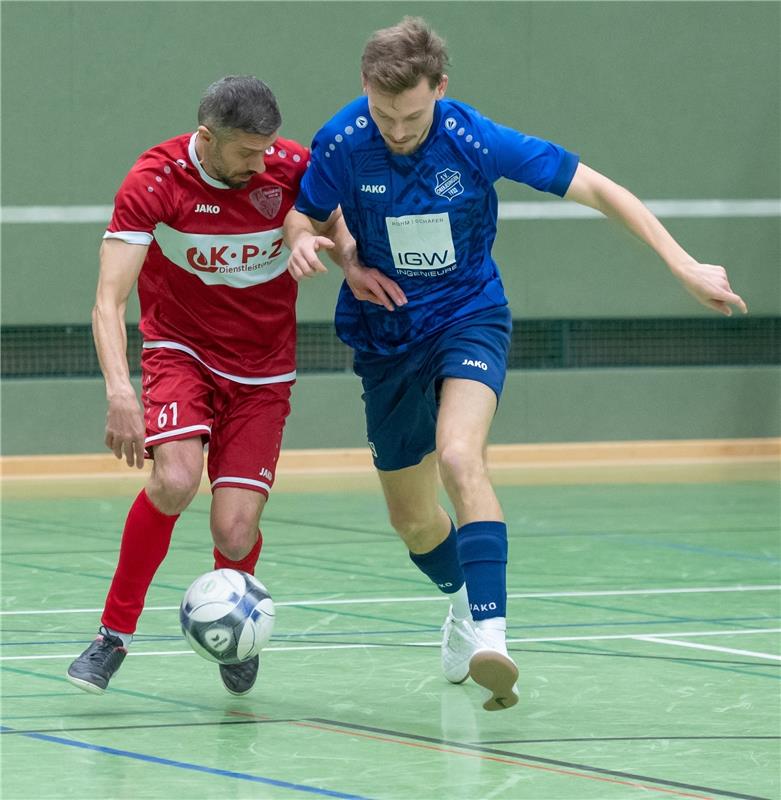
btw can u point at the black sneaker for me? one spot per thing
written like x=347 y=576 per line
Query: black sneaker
x=239 y=678
x=93 y=669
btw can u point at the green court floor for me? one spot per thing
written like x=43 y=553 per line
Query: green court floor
x=644 y=619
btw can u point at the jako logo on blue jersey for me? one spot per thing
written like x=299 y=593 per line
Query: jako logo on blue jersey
x=468 y=362
x=374 y=188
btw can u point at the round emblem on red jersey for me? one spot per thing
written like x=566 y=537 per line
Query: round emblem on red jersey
x=267 y=200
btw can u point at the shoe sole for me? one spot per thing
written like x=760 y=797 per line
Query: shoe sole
x=498 y=674
x=85 y=686
x=237 y=694
x=233 y=692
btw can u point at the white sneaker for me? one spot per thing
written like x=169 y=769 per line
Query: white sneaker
x=459 y=643
x=493 y=669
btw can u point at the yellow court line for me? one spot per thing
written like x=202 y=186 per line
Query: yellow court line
x=328 y=470
x=500 y=456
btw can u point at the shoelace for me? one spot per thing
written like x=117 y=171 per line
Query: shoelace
x=103 y=648
x=240 y=668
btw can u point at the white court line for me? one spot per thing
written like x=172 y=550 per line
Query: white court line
x=369 y=646
x=510 y=209
x=665 y=209
x=696 y=645
x=599 y=638
x=535 y=595
x=427 y=599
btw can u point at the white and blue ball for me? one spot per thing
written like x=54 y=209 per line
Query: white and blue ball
x=227 y=616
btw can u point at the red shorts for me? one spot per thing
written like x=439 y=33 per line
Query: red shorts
x=242 y=423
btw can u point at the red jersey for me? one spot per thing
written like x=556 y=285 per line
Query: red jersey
x=214 y=283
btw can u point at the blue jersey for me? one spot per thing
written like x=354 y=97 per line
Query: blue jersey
x=428 y=219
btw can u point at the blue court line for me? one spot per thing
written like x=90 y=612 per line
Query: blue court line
x=700 y=550
x=61 y=679
x=97 y=576
x=690 y=662
x=167 y=762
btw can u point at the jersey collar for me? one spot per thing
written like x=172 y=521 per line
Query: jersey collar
x=197 y=164
x=432 y=131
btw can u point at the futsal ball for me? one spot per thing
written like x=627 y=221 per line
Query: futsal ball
x=227 y=616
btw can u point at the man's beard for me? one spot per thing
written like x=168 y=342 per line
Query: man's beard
x=232 y=183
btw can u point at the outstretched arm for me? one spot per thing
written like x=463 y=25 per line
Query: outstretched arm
x=306 y=237
x=708 y=283
x=120 y=265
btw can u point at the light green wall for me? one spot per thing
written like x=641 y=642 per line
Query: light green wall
x=67 y=416
x=673 y=99
x=551 y=269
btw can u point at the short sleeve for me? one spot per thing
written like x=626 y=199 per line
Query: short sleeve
x=320 y=192
x=541 y=164
x=302 y=165
x=139 y=205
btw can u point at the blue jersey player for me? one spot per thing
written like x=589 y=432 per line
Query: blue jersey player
x=400 y=190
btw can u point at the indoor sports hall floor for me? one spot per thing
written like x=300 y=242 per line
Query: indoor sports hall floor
x=644 y=617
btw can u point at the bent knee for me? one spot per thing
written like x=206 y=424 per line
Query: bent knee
x=417 y=530
x=459 y=463
x=172 y=490
x=234 y=539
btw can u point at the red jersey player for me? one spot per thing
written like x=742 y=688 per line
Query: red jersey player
x=197 y=224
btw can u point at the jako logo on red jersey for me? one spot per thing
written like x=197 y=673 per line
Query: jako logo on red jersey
x=226 y=255
x=202 y=208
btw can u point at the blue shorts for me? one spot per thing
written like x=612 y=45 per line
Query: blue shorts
x=401 y=392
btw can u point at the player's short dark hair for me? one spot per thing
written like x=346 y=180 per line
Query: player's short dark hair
x=396 y=58
x=239 y=103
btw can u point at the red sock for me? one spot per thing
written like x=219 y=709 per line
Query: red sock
x=145 y=542
x=246 y=564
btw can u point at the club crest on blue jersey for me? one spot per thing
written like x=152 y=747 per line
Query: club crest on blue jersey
x=449 y=184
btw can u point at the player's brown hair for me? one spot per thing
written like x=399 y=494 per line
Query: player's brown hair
x=239 y=103
x=396 y=58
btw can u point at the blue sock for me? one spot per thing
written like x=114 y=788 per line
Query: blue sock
x=482 y=550
x=441 y=565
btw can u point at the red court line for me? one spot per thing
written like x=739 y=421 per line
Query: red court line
x=484 y=757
